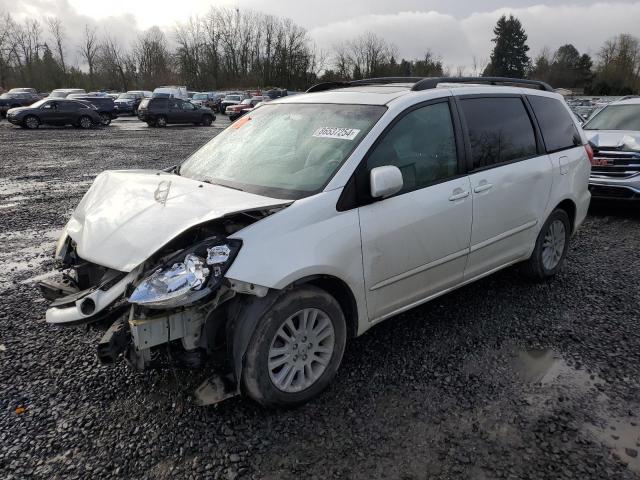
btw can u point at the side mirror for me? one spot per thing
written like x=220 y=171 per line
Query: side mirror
x=385 y=181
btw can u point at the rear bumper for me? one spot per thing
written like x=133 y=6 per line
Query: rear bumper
x=626 y=189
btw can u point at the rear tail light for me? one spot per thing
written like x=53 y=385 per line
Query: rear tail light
x=589 y=150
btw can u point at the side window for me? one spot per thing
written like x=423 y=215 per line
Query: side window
x=187 y=106
x=174 y=104
x=557 y=127
x=500 y=130
x=68 y=106
x=422 y=145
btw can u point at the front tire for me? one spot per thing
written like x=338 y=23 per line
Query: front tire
x=31 y=122
x=296 y=349
x=161 y=121
x=551 y=247
x=207 y=120
x=85 y=122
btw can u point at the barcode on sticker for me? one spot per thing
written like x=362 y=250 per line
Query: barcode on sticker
x=337 y=132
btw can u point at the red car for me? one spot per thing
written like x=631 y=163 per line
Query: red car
x=236 y=111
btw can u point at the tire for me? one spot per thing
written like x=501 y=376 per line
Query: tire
x=85 y=122
x=271 y=386
x=207 y=120
x=151 y=124
x=31 y=122
x=105 y=119
x=161 y=121
x=551 y=247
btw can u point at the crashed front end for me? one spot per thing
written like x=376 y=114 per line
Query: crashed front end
x=167 y=299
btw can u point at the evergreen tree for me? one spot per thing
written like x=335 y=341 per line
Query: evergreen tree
x=509 y=57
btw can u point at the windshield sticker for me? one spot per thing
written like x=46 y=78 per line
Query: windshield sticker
x=240 y=122
x=336 y=132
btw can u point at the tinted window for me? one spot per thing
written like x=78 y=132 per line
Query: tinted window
x=422 y=145
x=69 y=106
x=499 y=130
x=556 y=125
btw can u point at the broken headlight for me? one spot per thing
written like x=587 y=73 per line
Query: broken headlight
x=187 y=278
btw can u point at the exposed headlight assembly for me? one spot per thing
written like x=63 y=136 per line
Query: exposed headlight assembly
x=187 y=277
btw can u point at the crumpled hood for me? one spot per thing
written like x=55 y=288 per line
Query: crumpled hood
x=614 y=139
x=127 y=215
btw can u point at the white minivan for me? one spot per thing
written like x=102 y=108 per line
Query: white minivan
x=171 y=92
x=314 y=217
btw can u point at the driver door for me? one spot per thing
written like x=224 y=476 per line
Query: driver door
x=49 y=113
x=416 y=243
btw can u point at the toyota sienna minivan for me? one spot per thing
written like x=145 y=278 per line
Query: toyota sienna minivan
x=315 y=217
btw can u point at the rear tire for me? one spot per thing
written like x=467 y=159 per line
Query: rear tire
x=551 y=247
x=105 y=119
x=161 y=121
x=296 y=349
x=31 y=122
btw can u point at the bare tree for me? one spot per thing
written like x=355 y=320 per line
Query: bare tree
x=56 y=30
x=89 y=50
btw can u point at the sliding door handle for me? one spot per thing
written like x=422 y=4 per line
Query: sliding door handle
x=483 y=188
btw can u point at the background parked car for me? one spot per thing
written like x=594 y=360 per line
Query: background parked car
x=211 y=100
x=171 y=91
x=128 y=102
x=103 y=103
x=248 y=104
x=16 y=99
x=32 y=91
x=159 y=112
x=65 y=92
x=233 y=98
x=52 y=111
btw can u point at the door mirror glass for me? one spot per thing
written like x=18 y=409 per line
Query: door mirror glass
x=385 y=181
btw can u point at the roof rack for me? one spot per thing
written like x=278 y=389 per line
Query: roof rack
x=427 y=83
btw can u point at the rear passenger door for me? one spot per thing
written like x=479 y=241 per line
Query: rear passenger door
x=175 y=113
x=510 y=177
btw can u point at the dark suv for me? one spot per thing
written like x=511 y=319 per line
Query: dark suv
x=104 y=104
x=159 y=112
x=55 y=112
x=16 y=99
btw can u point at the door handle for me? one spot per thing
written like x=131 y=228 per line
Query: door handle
x=459 y=195
x=564 y=165
x=483 y=187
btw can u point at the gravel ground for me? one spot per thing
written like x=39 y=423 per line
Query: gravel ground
x=500 y=379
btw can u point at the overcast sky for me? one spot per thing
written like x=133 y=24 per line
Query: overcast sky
x=455 y=29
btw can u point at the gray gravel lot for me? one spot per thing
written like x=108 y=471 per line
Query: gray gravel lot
x=500 y=379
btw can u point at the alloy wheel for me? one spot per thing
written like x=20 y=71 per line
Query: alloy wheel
x=301 y=350
x=553 y=244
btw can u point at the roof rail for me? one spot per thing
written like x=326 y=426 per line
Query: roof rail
x=428 y=83
x=320 y=87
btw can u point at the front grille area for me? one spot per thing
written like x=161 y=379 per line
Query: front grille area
x=616 y=164
x=621 y=193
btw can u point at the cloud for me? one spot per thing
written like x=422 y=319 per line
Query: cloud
x=458 y=40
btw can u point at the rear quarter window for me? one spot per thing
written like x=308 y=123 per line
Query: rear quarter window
x=556 y=125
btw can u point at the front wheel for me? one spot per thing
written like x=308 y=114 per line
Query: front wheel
x=551 y=247
x=161 y=121
x=85 y=122
x=31 y=122
x=207 y=120
x=296 y=349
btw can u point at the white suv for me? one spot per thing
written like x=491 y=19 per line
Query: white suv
x=317 y=216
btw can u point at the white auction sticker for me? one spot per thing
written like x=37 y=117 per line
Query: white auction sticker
x=337 y=132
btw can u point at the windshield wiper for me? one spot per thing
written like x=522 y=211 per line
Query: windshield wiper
x=210 y=182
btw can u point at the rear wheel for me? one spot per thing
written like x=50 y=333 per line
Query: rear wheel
x=151 y=124
x=551 y=247
x=31 y=122
x=207 y=120
x=161 y=121
x=296 y=349
x=85 y=122
x=105 y=119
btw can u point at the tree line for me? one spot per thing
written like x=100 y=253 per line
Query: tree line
x=231 y=47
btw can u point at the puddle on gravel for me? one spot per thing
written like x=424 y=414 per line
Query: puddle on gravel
x=622 y=436
x=544 y=366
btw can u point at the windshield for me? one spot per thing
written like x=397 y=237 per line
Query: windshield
x=284 y=151
x=14 y=95
x=127 y=96
x=616 y=117
x=60 y=94
x=232 y=98
x=39 y=103
x=200 y=96
x=246 y=102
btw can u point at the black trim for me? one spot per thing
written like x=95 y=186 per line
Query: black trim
x=356 y=191
x=429 y=83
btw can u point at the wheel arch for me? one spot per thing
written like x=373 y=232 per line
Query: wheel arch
x=568 y=206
